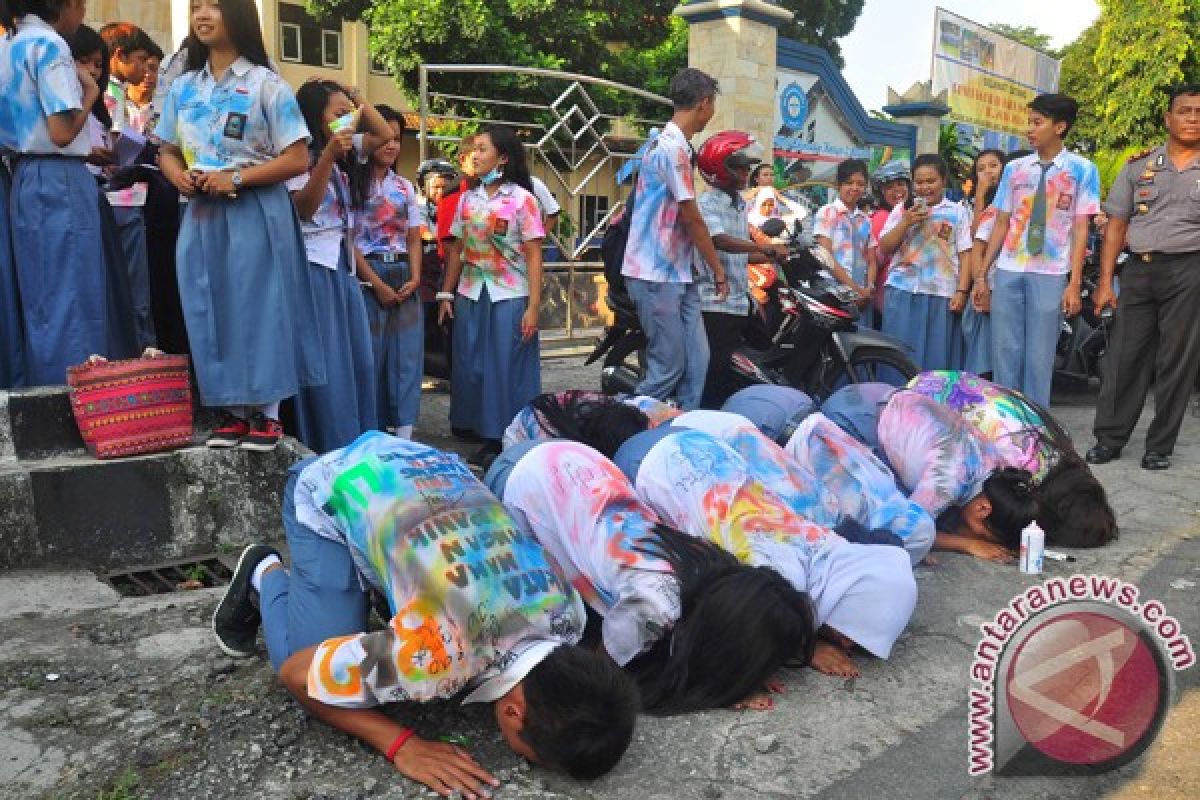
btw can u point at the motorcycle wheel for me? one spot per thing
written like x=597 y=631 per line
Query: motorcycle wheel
x=872 y=365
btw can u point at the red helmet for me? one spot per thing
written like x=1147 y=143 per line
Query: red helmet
x=724 y=152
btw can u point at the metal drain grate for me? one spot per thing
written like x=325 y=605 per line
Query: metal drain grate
x=201 y=572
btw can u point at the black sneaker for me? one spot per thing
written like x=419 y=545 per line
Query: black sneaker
x=236 y=619
x=484 y=456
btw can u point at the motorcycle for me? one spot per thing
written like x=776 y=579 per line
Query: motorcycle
x=1083 y=339
x=804 y=334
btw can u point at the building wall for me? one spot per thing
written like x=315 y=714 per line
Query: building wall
x=152 y=16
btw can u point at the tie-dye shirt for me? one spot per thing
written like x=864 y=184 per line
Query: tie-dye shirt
x=849 y=234
x=493 y=230
x=475 y=601
x=927 y=260
x=862 y=486
x=1072 y=191
x=37 y=80
x=1011 y=426
x=659 y=247
x=699 y=485
x=392 y=209
x=584 y=511
x=769 y=464
x=528 y=425
x=935 y=454
x=326 y=231
x=247 y=117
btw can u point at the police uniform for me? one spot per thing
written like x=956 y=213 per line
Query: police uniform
x=1157 y=333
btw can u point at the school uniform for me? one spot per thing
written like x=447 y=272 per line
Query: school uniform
x=775 y=410
x=584 y=511
x=12 y=333
x=1031 y=275
x=850 y=237
x=244 y=281
x=530 y=426
x=336 y=413
x=699 y=485
x=397 y=332
x=413 y=523
x=54 y=210
x=725 y=318
x=495 y=372
x=977 y=325
x=922 y=279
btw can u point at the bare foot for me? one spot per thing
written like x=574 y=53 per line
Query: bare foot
x=931 y=560
x=761 y=700
x=829 y=659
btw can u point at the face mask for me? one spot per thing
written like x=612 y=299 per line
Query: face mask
x=492 y=177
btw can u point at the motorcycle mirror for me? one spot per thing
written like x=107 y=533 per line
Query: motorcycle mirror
x=774 y=227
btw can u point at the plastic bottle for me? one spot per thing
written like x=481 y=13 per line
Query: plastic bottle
x=1033 y=549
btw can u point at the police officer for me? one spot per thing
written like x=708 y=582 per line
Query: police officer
x=1154 y=207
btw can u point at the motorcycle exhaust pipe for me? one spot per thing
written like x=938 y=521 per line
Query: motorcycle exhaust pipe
x=618 y=380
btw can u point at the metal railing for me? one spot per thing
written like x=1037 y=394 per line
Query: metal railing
x=569 y=138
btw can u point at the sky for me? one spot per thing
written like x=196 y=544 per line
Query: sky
x=892 y=42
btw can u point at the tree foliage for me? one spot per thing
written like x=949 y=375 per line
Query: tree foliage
x=1077 y=78
x=1027 y=35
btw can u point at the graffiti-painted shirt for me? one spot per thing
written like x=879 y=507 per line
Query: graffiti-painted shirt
x=850 y=237
x=493 y=230
x=927 y=260
x=935 y=454
x=862 y=486
x=659 y=247
x=37 y=81
x=326 y=231
x=249 y=116
x=528 y=425
x=475 y=601
x=584 y=511
x=392 y=209
x=701 y=486
x=1072 y=191
x=768 y=462
x=725 y=215
x=1012 y=427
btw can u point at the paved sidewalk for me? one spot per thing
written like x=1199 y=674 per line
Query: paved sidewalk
x=131 y=697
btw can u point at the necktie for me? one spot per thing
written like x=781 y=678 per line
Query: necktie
x=1037 y=217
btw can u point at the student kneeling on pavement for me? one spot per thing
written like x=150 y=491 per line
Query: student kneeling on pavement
x=476 y=609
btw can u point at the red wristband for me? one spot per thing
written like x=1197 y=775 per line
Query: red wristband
x=404 y=736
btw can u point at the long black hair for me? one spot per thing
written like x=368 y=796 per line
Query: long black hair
x=361 y=172
x=597 y=420
x=245 y=34
x=739 y=624
x=1014 y=504
x=85 y=42
x=990 y=196
x=12 y=10
x=517 y=169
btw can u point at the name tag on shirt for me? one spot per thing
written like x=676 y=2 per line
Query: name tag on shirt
x=500 y=226
x=235 y=125
x=1065 y=201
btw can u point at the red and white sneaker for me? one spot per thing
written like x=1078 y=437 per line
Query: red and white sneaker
x=230 y=432
x=264 y=434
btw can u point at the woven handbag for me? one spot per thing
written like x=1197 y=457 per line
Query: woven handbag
x=126 y=408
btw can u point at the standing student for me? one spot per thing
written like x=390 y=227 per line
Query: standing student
x=976 y=316
x=54 y=211
x=435 y=177
x=843 y=231
x=925 y=286
x=232 y=134
x=388 y=235
x=476 y=608
x=1044 y=204
x=333 y=415
x=674 y=608
x=664 y=231
x=141 y=95
x=1155 y=206
x=128 y=52
x=892 y=186
x=492 y=290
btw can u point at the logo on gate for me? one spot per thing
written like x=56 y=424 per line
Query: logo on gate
x=793 y=106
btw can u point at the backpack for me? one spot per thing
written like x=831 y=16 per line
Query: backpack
x=612 y=246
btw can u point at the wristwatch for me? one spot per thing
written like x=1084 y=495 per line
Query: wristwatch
x=236 y=179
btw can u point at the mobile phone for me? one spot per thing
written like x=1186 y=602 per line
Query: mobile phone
x=921 y=203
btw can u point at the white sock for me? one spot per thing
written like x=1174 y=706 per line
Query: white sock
x=271 y=411
x=404 y=431
x=261 y=569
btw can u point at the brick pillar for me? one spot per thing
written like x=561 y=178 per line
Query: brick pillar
x=735 y=42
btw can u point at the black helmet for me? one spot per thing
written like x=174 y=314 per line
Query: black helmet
x=439 y=166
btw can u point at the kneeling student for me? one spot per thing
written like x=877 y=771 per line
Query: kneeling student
x=679 y=613
x=476 y=608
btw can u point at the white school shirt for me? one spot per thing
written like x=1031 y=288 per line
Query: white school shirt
x=326 y=231
x=37 y=80
x=475 y=601
x=584 y=511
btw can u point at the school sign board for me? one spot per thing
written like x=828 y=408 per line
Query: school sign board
x=989 y=80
